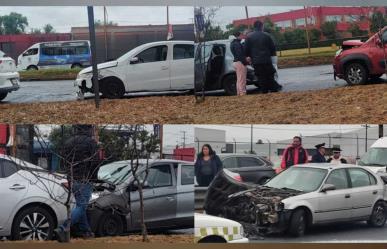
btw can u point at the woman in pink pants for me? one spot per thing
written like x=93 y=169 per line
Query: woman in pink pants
x=239 y=63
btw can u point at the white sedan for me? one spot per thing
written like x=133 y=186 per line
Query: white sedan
x=9 y=77
x=152 y=67
x=32 y=200
x=212 y=229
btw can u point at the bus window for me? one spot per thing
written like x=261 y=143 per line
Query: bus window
x=68 y=51
x=31 y=51
x=82 y=50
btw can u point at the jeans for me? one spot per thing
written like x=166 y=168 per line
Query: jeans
x=82 y=193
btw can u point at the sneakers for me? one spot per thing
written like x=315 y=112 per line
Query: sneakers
x=61 y=236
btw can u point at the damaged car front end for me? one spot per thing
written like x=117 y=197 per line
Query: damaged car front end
x=259 y=208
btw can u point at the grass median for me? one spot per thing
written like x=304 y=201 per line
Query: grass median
x=49 y=74
x=349 y=105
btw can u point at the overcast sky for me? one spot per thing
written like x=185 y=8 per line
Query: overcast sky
x=63 y=18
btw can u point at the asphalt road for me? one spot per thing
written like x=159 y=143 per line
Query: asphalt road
x=358 y=232
x=292 y=79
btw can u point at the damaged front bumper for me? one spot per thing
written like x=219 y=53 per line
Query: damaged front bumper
x=258 y=208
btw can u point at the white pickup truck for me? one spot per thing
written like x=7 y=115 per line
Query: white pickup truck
x=9 y=77
x=152 y=67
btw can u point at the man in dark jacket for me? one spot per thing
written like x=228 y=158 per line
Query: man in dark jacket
x=80 y=153
x=319 y=157
x=240 y=63
x=259 y=47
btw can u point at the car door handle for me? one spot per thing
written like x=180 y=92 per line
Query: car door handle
x=164 y=68
x=17 y=187
x=375 y=192
x=170 y=198
x=347 y=196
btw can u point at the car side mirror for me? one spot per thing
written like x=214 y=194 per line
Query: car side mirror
x=328 y=187
x=134 y=60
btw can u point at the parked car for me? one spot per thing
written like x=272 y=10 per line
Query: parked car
x=251 y=168
x=168 y=197
x=32 y=200
x=212 y=229
x=375 y=158
x=152 y=67
x=214 y=68
x=9 y=77
x=301 y=196
x=357 y=61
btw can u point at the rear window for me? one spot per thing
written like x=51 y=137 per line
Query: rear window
x=249 y=162
x=183 y=51
x=187 y=175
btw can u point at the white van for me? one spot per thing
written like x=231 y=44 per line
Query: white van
x=9 y=77
x=56 y=54
x=376 y=157
x=152 y=67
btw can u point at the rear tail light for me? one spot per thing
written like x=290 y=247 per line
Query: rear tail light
x=66 y=185
x=238 y=178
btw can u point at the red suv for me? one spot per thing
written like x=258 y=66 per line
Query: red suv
x=357 y=61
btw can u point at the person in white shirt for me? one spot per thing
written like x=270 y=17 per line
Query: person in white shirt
x=336 y=158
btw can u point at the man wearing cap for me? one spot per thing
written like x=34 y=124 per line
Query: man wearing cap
x=319 y=157
x=336 y=158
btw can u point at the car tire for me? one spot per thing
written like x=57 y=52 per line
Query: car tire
x=379 y=215
x=32 y=68
x=110 y=225
x=356 y=74
x=112 y=88
x=212 y=239
x=297 y=225
x=229 y=85
x=41 y=229
x=3 y=96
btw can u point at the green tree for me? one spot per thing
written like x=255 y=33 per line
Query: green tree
x=99 y=23
x=329 y=30
x=58 y=135
x=231 y=29
x=355 y=30
x=48 y=29
x=35 y=31
x=214 y=33
x=274 y=31
x=378 y=21
x=14 y=23
x=315 y=34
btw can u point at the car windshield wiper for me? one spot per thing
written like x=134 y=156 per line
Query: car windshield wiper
x=292 y=189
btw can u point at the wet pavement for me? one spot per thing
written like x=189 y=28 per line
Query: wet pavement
x=292 y=79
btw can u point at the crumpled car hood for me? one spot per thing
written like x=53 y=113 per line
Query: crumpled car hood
x=100 y=66
x=245 y=202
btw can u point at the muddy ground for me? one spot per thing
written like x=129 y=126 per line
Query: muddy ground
x=346 y=105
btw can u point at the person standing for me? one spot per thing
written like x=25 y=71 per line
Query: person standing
x=319 y=157
x=260 y=48
x=294 y=154
x=81 y=160
x=240 y=62
x=207 y=165
x=336 y=158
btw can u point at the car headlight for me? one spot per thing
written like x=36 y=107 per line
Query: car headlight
x=94 y=196
x=338 y=52
x=84 y=75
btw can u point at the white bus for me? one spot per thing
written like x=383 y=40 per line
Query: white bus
x=56 y=54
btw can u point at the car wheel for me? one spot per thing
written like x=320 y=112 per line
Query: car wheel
x=112 y=88
x=32 y=68
x=379 y=215
x=297 y=223
x=356 y=74
x=229 y=84
x=33 y=223
x=111 y=225
x=3 y=95
x=212 y=239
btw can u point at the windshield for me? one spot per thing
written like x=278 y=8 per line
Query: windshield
x=299 y=178
x=115 y=173
x=374 y=157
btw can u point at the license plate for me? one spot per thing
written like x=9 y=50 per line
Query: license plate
x=14 y=81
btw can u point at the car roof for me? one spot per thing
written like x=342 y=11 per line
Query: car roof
x=329 y=166
x=380 y=143
x=237 y=154
x=21 y=162
x=169 y=42
x=151 y=161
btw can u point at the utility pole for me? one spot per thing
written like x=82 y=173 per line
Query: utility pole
x=184 y=132
x=247 y=16
x=90 y=13
x=161 y=140
x=381 y=133
x=105 y=31
x=251 y=140
x=306 y=29
x=235 y=146
x=366 y=136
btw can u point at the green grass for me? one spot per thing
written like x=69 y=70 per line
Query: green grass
x=303 y=52
x=49 y=74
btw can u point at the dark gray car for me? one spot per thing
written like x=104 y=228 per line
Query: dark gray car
x=251 y=168
x=168 y=198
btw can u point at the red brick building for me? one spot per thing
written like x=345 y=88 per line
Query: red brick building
x=316 y=16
